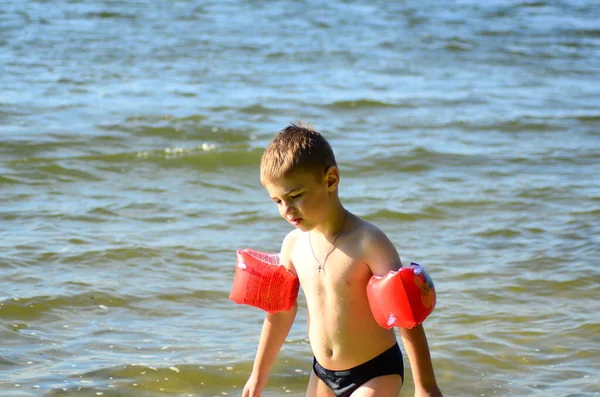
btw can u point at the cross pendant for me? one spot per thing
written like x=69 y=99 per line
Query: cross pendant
x=320 y=267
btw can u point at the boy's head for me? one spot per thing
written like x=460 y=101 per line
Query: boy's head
x=296 y=148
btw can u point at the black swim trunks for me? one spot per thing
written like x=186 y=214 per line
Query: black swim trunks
x=344 y=383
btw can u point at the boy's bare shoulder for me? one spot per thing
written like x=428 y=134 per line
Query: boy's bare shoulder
x=377 y=249
x=287 y=248
x=290 y=239
x=368 y=233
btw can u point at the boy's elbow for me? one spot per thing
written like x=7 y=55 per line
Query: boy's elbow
x=293 y=310
x=284 y=314
x=415 y=337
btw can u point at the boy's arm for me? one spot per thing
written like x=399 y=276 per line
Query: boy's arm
x=417 y=349
x=274 y=331
x=382 y=258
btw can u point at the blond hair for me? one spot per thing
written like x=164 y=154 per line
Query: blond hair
x=296 y=147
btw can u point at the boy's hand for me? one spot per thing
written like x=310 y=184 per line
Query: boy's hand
x=254 y=386
x=433 y=391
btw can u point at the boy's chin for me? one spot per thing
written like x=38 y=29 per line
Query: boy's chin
x=303 y=226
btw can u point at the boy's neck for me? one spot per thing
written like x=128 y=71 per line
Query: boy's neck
x=334 y=222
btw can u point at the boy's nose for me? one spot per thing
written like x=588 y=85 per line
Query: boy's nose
x=287 y=210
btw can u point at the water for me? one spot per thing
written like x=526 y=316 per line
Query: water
x=131 y=133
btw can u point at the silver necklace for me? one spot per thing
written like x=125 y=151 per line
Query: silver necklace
x=321 y=267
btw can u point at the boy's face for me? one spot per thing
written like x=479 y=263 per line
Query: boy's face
x=301 y=198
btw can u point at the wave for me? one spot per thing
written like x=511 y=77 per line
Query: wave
x=258 y=109
x=35 y=307
x=48 y=171
x=195 y=297
x=204 y=157
x=27 y=149
x=97 y=167
x=363 y=103
x=466 y=203
x=588 y=212
x=391 y=164
x=168 y=127
x=510 y=126
x=8 y=180
x=416 y=160
x=583 y=32
x=498 y=232
x=109 y=15
x=585 y=118
x=387 y=214
x=525 y=123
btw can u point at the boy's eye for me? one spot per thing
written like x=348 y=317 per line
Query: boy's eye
x=295 y=196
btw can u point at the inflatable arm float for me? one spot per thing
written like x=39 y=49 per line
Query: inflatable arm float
x=403 y=298
x=261 y=281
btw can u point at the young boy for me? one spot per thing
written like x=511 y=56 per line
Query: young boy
x=334 y=253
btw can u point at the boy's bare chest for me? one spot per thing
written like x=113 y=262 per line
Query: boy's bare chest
x=319 y=272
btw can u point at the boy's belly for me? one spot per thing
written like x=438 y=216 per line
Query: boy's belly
x=341 y=338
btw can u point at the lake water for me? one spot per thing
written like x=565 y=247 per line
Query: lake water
x=130 y=138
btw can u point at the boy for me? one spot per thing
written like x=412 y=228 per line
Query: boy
x=334 y=253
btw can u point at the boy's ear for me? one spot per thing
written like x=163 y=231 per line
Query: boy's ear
x=333 y=178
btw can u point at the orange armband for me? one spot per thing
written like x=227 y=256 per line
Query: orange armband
x=261 y=281
x=402 y=298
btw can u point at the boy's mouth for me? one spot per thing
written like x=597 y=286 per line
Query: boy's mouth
x=295 y=221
